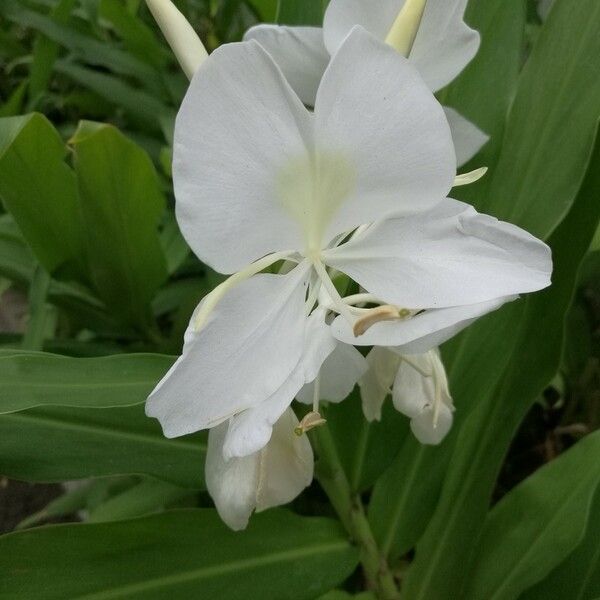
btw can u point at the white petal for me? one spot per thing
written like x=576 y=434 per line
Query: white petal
x=339 y=374
x=428 y=432
x=287 y=464
x=377 y=382
x=342 y=15
x=445 y=44
x=299 y=52
x=449 y=256
x=468 y=138
x=421 y=332
x=383 y=131
x=412 y=391
x=251 y=430
x=231 y=484
x=271 y=477
x=249 y=346
x=239 y=125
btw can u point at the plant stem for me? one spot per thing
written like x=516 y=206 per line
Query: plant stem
x=331 y=476
x=33 y=338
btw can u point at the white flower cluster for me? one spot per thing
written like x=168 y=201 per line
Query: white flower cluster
x=325 y=151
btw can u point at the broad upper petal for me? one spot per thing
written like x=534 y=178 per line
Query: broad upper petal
x=445 y=44
x=420 y=333
x=449 y=256
x=239 y=125
x=468 y=138
x=247 y=349
x=299 y=52
x=383 y=143
x=251 y=430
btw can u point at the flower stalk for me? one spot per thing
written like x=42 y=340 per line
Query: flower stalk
x=348 y=505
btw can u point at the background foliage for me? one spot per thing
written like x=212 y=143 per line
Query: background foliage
x=507 y=507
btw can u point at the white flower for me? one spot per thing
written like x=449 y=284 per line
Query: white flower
x=260 y=178
x=419 y=388
x=273 y=476
x=431 y=34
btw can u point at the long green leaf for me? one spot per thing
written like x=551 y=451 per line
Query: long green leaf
x=443 y=553
x=578 y=577
x=307 y=12
x=121 y=203
x=35 y=379
x=537 y=525
x=550 y=131
x=178 y=555
x=40 y=190
x=63 y=443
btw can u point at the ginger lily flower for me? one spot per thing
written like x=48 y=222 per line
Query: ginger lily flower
x=273 y=476
x=258 y=178
x=419 y=388
x=431 y=34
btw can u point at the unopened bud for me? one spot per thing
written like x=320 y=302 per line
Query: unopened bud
x=184 y=41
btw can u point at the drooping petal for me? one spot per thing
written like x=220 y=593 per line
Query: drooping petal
x=342 y=15
x=287 y=464
x=250 y=430
x=468 y=138
x=420 y=333
x=239 y=125
x=299 y=52
x=231 y=484
x=339 y=374
x=445 y=44
x=429 y=430
x=449 y=256
x=413 y=391
x=383 y=142
x=273 y=476
x=377 y=382
x=247 y=349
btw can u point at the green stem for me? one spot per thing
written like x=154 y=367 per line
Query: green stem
x=331 y=476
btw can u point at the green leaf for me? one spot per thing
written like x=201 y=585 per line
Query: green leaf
x=551 y=126
x=37 y=324
x=266 y=9
x=483 y=91
x=63 y=443
x=553 y=505
x=122 y=204
x=40 y=190
x=178 y=555
x=578 y=577
x=34 y=379
x=446 y=549
x=307 y=12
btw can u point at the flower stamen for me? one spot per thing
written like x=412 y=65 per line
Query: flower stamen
x=386 y=312
x=310 y=421
x=470 y=177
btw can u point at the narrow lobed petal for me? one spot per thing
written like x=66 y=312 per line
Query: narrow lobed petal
x=468 y=138
x=299 y=52
x=247 y=349
x=377 y=382
x=449 y=256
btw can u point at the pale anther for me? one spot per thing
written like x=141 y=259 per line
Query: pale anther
x=470 y=177
x=310 y=421
x=375 y=315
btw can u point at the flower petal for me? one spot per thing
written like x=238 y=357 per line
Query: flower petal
x=339 y=374
x=377 y=382
x=249 y=346
x=271 y=477
x=445 y=44
x=449 y=256
x=239 y=125
x=468 y=138
x=419 y=333
x=383 y=131
x=427 y=430
x=412 y=390
x=342 y=15
x=251 y=430
x=299 y=52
